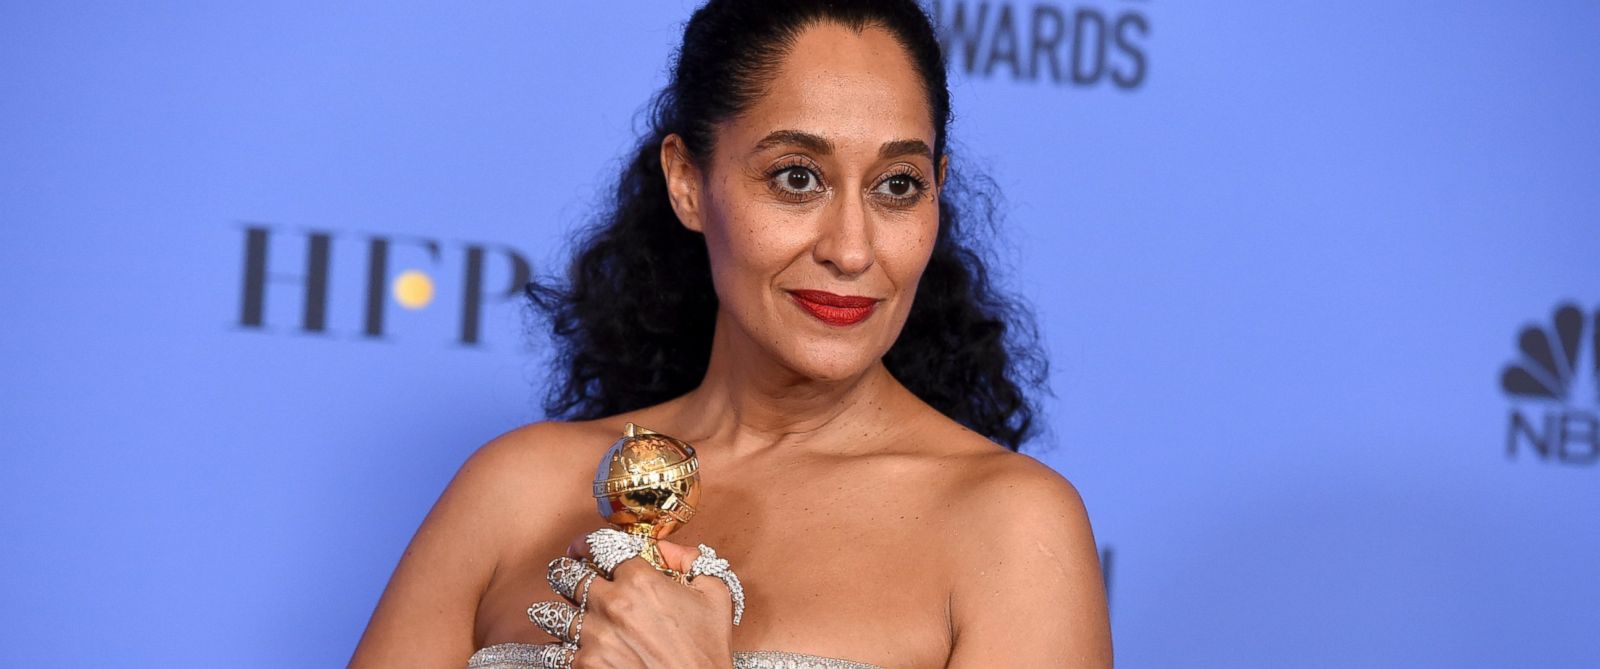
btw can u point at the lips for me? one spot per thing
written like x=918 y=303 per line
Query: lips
x=838 y=310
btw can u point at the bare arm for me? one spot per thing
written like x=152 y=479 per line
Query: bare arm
x=1028 y=590
x=426 y=615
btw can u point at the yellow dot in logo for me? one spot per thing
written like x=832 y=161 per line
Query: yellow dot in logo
x=413 y=289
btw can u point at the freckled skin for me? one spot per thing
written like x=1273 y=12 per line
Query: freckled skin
x=864 y=524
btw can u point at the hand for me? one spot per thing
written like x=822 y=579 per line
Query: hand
x=644 y=618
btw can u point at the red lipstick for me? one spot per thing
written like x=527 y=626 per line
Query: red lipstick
x=839 y=310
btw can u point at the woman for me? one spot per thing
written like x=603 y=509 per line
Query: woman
x=783 y=283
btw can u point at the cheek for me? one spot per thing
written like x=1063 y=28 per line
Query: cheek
x=904 y=249
x=750 y=245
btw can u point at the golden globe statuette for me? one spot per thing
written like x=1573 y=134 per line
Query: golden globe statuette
x=648 y=485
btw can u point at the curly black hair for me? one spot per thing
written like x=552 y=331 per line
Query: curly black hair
x=633 y=320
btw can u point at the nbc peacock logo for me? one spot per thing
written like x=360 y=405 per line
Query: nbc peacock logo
x=1555 y=386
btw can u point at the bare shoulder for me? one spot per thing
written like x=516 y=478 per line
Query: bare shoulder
x=998 y=488
x=994 y=497
x=1026 y=588
x=521 y=460
x=528 y=464
x=514 y=486
x=539 y=442
x=529 y=480
x=1021 y=513
x=1006 y=489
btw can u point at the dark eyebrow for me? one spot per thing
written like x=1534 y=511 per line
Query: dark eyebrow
x=804 y=140
x=905 y=147
x=821 y=146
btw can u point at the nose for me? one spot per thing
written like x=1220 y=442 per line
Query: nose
x=844 y=236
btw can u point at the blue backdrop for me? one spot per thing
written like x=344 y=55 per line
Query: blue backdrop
x=1320 y=283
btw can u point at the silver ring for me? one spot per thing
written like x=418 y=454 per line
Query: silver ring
x=566 y=574
x=555 y=618
x=583 y=609
x=708 y=564
x=609 y=548
x=542 y=656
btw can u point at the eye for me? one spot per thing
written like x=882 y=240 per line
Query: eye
x=902 y=187
x=798 y=179
x=899 y=185
x=795 y=181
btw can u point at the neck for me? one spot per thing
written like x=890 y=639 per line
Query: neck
x=750 y=400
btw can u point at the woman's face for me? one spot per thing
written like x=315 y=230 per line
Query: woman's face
x=818 y=205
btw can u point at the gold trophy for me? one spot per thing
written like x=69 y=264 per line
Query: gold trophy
x=647 y=486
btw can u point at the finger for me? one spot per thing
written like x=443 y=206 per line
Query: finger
x=608 y=550
x=682 y=558
x=714 y=568
x=578 y=549
x=567 y=576
x=633 y=569
x=711 y=585
x=676 y=556
x=555 y=619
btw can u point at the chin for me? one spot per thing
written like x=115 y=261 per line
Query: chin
x=830 y=361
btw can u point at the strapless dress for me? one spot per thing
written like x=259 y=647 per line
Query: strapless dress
x=520 y=656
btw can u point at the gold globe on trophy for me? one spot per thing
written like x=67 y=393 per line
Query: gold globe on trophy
x=648 y=485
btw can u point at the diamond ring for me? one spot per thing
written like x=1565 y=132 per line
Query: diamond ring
x=708 y=564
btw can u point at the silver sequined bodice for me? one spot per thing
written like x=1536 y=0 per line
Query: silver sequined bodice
x=520 y=656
